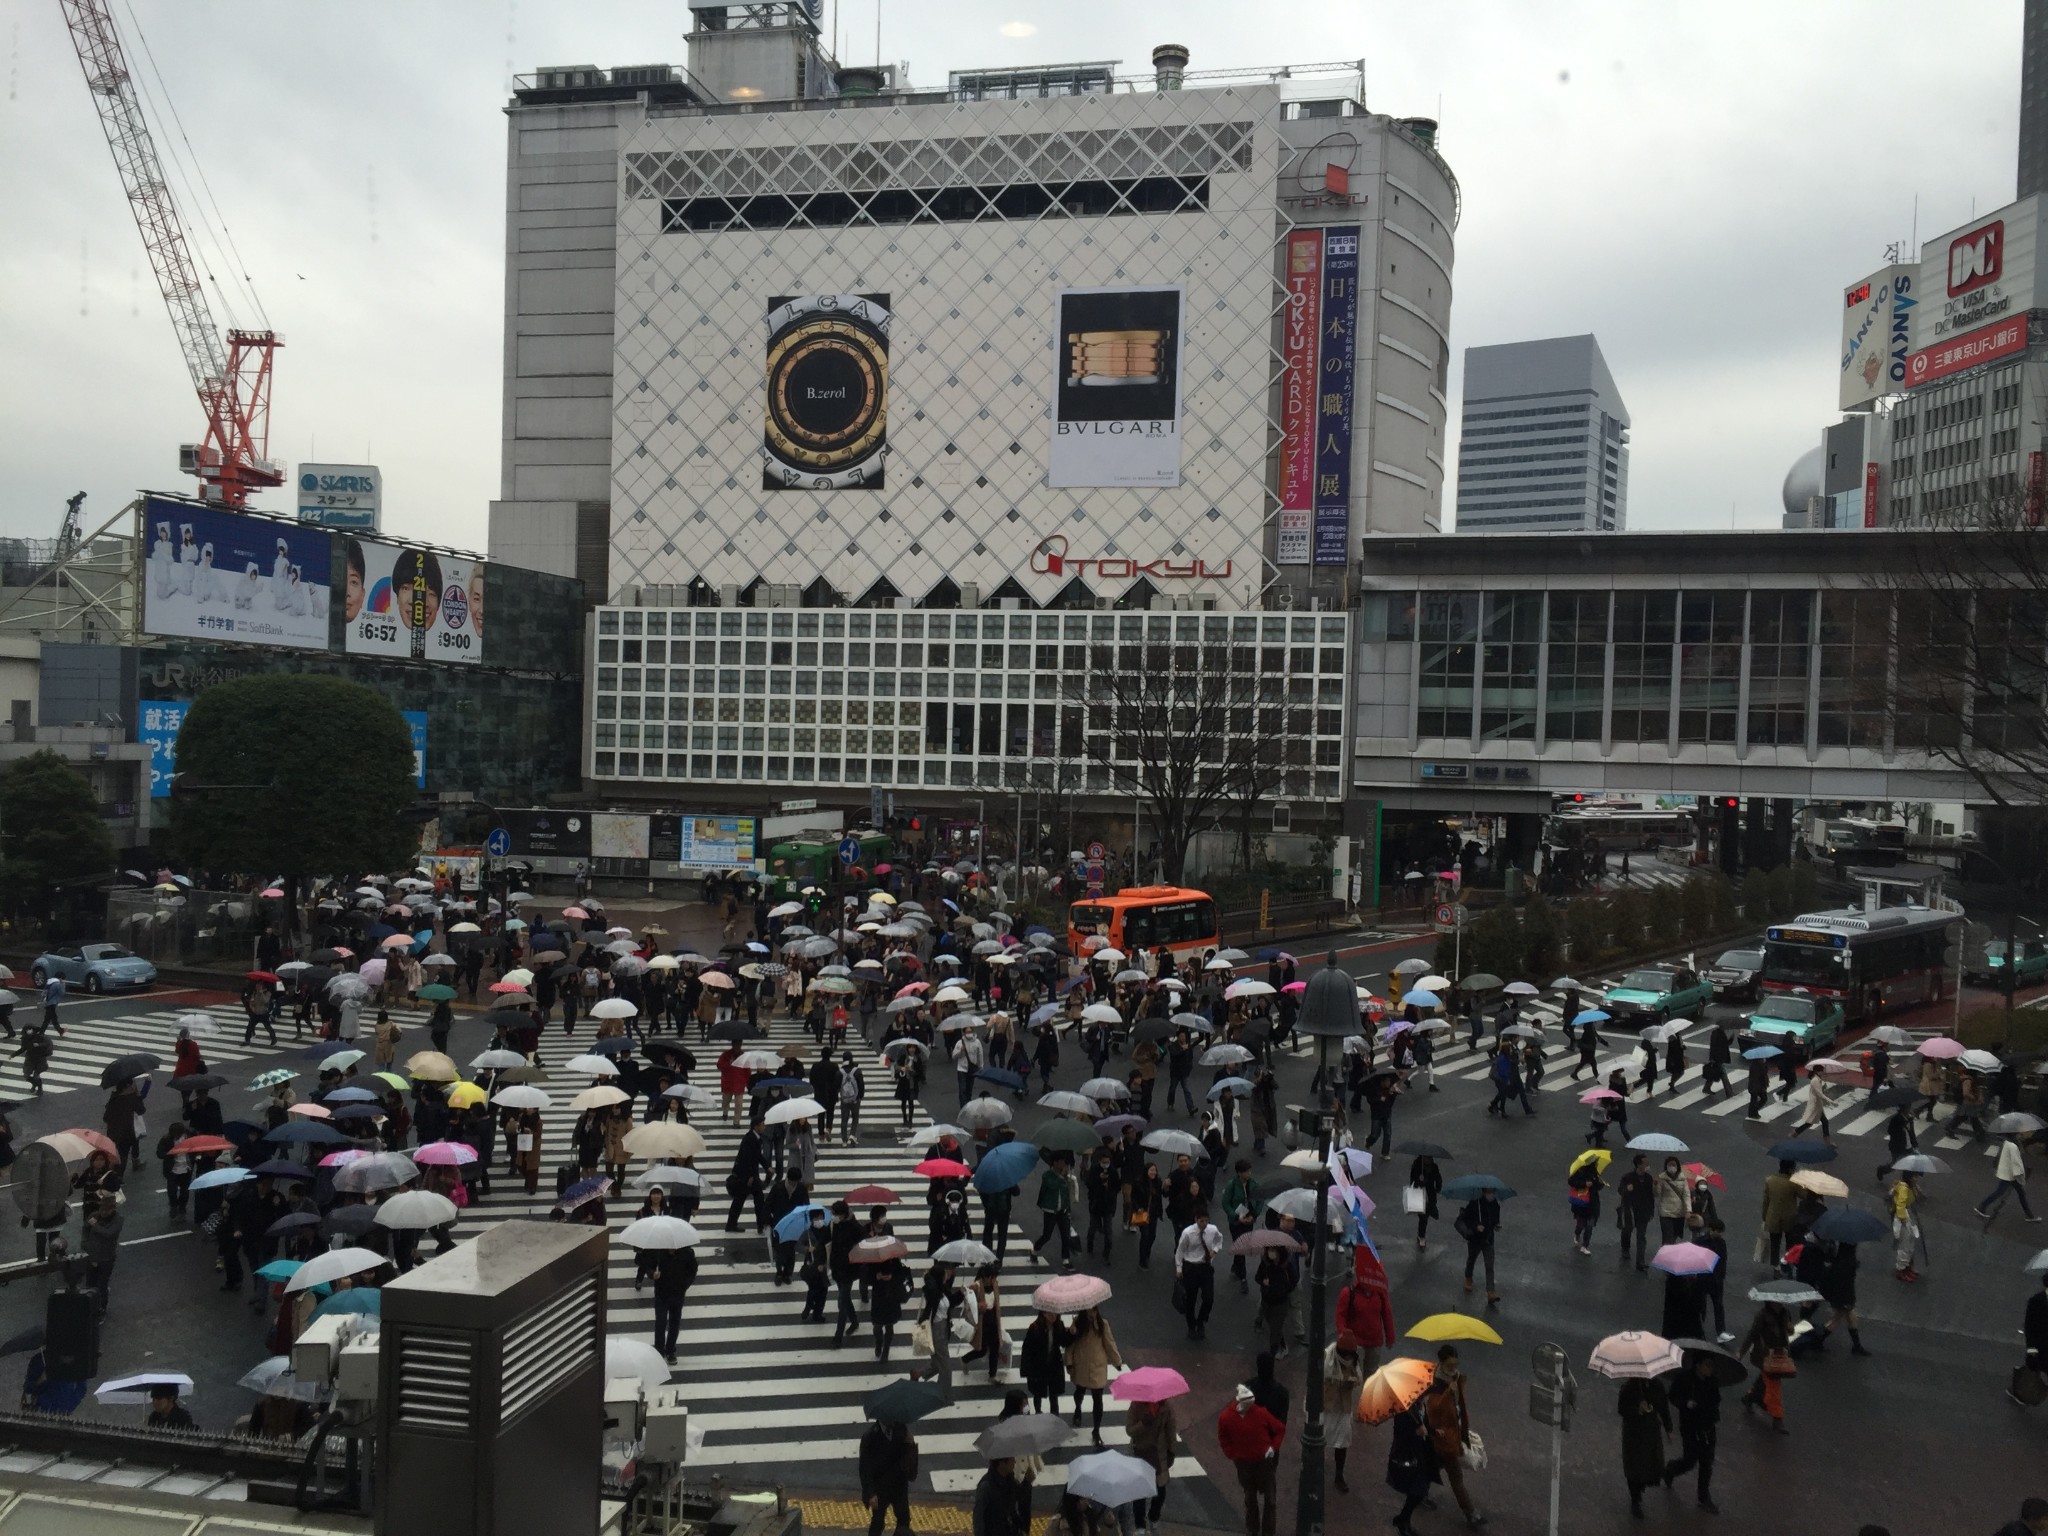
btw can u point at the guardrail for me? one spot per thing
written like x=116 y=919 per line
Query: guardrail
x=1282 y=919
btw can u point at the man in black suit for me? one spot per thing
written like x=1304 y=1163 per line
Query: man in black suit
x=744 y=1182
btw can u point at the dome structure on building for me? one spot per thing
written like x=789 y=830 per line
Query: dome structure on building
x=1803 y=480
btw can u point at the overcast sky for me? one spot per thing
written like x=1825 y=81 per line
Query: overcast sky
x=1693 y=184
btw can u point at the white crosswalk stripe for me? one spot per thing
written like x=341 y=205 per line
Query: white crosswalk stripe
x=766 y=1387
x=89 y=1043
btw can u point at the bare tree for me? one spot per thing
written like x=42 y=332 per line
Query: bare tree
x=1158 y=725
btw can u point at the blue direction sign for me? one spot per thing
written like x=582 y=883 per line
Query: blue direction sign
x=499 y=843
x=849 y=851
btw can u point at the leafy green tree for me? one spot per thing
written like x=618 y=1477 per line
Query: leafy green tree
x=1804 y=882
x=50 y=830
x=1665 y=909
x=1696 y=905
x=1444 y=961
x=1756 y=896
x=1586 y=930
x=1542 y=941
x=1627 y=917
x=1780 y=901
x=1494 y=943
x=1722 y=904
x=294 y=774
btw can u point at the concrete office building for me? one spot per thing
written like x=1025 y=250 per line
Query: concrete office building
x=1544 y=440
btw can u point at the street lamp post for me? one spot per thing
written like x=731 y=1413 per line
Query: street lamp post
x=1329 y=1011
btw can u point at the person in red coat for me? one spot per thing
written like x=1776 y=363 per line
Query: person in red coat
x=1364 y=1308
x=732 y=1084
x=1251 y=1438
x=189 y=1062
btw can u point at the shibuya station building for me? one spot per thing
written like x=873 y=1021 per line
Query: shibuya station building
x=874 y=412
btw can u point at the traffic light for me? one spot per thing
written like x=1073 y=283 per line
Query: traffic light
x=814 y=899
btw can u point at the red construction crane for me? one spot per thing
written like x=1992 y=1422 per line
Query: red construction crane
x=233 y=384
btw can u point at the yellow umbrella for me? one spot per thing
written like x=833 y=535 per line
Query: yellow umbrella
x=1453 y=1325
x=463 y=1095
x=1599 y=1157
x=1393 y=1387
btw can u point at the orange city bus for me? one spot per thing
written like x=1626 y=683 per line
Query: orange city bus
x=1140 y=918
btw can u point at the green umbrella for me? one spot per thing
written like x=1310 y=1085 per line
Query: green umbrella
x=1481 y=981
x=1064 y=1135
x=434 y=992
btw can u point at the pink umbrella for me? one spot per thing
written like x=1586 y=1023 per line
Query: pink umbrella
x=942 y=1168
x=1598 y=1095
x=1295 y=986
x=576 y=912
x=1942 y=1048
x=445 y=1153
x=346 y=954
x=1149 y=1384
x=311 y=1111
x=345 y=1155
x=398 y=941
x=912 y=989
x=1071 y=1293
x=373 y=972
x=273 y=890
x=506 y=986
x=1685 y=1259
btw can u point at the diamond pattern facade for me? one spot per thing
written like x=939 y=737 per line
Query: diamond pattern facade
x=973 y=348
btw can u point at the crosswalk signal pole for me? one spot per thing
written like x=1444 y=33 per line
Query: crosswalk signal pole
x=1553 y=1393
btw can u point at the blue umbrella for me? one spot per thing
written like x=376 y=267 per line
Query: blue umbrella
x=222 y=1176
x=1237 y=1085
x=349 y=1096
x=1850 y=1226
x=612 y=1045
x=1422 y=999
x=583 y=1193
x=309 y=1132
x=364 y=1301
x=376 y=933
x=1045 y=1013
x=1470 y=1186
x=1001 y=1078
x=320 y=1048
x=277 y=1168
x=798 y=1222
x=241 y=1132
x=1761 y=1053
x=280 y=1269
x=1004 y=1166
x=1803 y=1152
x=782 y=1082
x=1586 y=1016
x=359 y=1112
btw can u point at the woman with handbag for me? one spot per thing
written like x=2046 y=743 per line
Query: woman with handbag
x=1425 y=1179
x=1411 y=1464
x=1090 y=1354
x=887 y=1287
x=1645 y=1421
x=988 y=1320
x=1674 y=1200
x=1044 y=1360
x=1344 y=1372
x=1153 y=1432
x=1767 y=1346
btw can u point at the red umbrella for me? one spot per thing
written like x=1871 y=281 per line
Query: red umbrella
x=259 y=976
x=872 y=1194
x=941 y=1168
x=1702 y=1171
x=878 y=1250
x=912 y=989
x=200 y=1145
x=97 y=1140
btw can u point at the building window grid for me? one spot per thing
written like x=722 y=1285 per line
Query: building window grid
x=1576 y=668
x=1710 y=665
x=1511 y=640
x=1644 y=625
x=1780 y=663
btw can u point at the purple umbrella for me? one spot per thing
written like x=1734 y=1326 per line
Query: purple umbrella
x=1113 y=1125
x=1685 y=1259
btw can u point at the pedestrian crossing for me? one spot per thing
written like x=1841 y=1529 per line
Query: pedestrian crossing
x=768 y=1390
x=1458 y=1060
x=91 y=1041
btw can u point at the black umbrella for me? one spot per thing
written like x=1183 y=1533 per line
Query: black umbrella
x=1422 y=1149
x=29 y=1338
x=1728 y=1370
x=292 y=1223
x=734 y=1030
x=242 y=1132
x=349 y=1220
x=195 y=1081
x=1896 y=1096
x=121 y=1068
x=326 y=957
x=1027 y=1434
x=903 y=1402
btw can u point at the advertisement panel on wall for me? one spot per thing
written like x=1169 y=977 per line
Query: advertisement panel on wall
x=533 y=834
x=1298 y=337
x=1966 y=351
x=618 y=837
x=157 y=722
x=416 y=725
x=1116 y=393
x=715 y=842
x=1979 y=274
x=1334 y=390
x=413 y=602
x=214 y=575
x=827 y=372
x=1877 y=335
x=341 y=495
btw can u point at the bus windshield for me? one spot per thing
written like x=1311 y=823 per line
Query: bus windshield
x=1088 y=919
x=1170 y=922
x=1805 y=965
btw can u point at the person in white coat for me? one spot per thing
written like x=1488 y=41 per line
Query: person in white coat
x=188 y=558
x=281 y=577
x=163 y=559
x=1815 y=1111
x=2011 y=1174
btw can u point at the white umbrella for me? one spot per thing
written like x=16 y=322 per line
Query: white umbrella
x=670 y=1174
x=590 y=1066
x=435 y=961
x=1225 y=1055
x=793 y=1109
x=334 y=1264
x=631 y=1358
x=416 y=1210
x=523 y=1096
x=664 y=1138
x=932 y=1135
x=497 y=1061
x=1519 y=989
x=613 y=1008
x=1249 y=987
x=601 y=1097
x=135 y=1389
x=659 y=1232
x=691 y=1095
x=519 y=976
x=1173 y=1141
x=1111 y=1478
x=984 y=1112
x=380 y=1170
x=964 y=1250
x=1101 y=1013
x=1636 y=1355
x=1100 y=1088
x=198 y=1024
x=1069 y=1103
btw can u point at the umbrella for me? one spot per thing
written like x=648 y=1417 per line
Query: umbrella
x=221 y=1176
x=1787 y=1293
x=1599 y=1157
x=1064 y=1135
x=360 y=1301
x=2016 y=1123
x=1453 y=1325
x=1470 y=1186
x=1684 y=1259
x=467 y=1095
x=941 y=1168
x=278 y=1228
x=1635 y=1355
x=305 y=1133
x=434 y=991
x=664 y=1138
x=271 y=1078
x=277 y=1168
x=122 y=1068
x=1101 y=1088
x=797 y=1221
x=1259 y=1239
x=932 y=1135
x=416 y=1210
x=1392 y=1388
x=629 y=1359
x=667 y=1173
x=603 y=1097
x=659 y=1233
x=582 y=1193
x=1728 y=1370
x=1656 y=1141
x=1850 y=1226
x=1421 y=1149
x=1590 y=1016
x=875 y=1194
x=334 y=1264
x=2038 y=1264
x=522 y=1096
x=198 y=1145
x=1941 y=1048
x=1516 y=988
x=981 y=1113
x=878 y=1250
x=135 y=1390
x=332 y=1060
x=380 y=1170
x=1071 y=1293
x=1027 y=1434
x=430 y=1067
x=1761 y=1053
x=613 y=1008
x=1802 y=1152
x=1111 y=1478
x=1825 y=1184
x=1702 y=1171
x=964 y=1250
x=1002 y=1167
x=1149 y=1384
x=1481 y=981
x=1979 y=1061
x=1895 y=1096
x=1064 y=1102
x=499 y=1061
x=1422 y=998
x=902 y=1402
x=1919 y=1162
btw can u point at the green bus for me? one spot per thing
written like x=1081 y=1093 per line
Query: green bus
x=803 y=861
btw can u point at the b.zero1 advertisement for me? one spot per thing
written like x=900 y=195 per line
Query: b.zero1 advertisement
x=827 y=367
x=416 y=603
x=1116 y=394
x=215 y=575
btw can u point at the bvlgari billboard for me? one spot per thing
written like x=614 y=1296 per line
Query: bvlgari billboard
x=1116 y=395
x=827 y=424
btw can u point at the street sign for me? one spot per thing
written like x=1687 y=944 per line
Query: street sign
x=849 y=851
x=499 y=843
x=1446 y=914
x=791 y=807
x=1096 y=853
x=875 y=814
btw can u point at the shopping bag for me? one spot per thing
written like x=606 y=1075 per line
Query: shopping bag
x=1475 y=1453
x=921 y=1337
x=1414 y=1201
x=2029 y=1387
x=1779 y=1363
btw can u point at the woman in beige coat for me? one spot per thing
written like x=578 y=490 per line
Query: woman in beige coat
x=1089 y=1357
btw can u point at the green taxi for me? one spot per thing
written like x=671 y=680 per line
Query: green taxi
x=1794 y=1018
